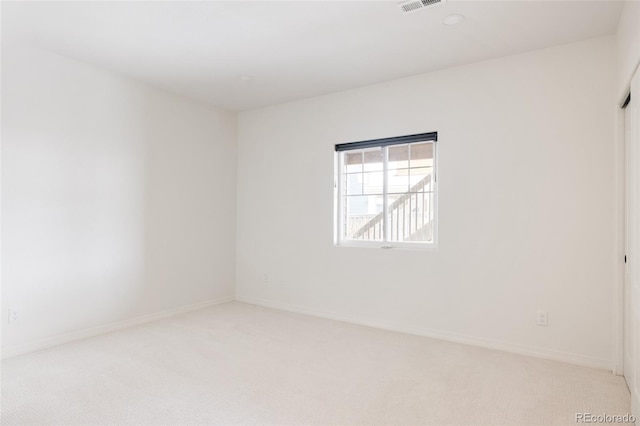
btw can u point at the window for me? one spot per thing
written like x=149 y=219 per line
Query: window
x=386 y=191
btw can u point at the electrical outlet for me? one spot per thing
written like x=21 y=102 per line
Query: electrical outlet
x=542 y=318
x=14 y=315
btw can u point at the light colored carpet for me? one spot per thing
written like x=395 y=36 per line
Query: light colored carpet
x=241 y=364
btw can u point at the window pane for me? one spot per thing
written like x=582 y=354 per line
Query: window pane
x=353 y=184
x=373 y=183
x=373 y=160
x=422 y=154
x=399 y=154
x=363 y=219
x=398 y=181
x=411 y=217
x=420 y=179
x=353 y=162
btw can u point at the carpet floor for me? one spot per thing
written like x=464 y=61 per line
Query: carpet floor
x=241 y=364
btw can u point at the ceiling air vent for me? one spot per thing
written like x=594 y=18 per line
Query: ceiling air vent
x=413 y=5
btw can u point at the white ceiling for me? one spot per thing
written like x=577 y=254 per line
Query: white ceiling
x=294 y=49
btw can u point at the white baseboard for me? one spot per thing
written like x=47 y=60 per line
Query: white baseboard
x=570 y=358
x=36 y=345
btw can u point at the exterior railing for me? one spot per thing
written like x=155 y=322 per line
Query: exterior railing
x=409 y=216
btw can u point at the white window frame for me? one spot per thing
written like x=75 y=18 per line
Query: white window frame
x=386 y=243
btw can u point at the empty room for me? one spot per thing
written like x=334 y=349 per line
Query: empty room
x=421 y=212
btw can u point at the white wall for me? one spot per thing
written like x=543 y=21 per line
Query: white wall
x=628 y=45
x=527 y=205
x=118 y=199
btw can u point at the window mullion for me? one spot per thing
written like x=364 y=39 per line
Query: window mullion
x=385 y=202
x=340 y=199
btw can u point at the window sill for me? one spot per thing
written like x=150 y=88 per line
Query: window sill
x=383 y=246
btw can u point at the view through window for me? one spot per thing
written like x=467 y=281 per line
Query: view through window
x=386 y=190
